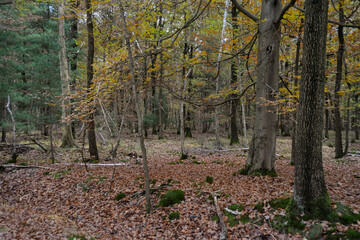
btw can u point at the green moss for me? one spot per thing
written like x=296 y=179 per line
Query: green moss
x=352 y=234
x=197 y=162
x=314 y=232
x=174 y=215
x=120 y=196
x=233 y=142
x=346 y=216
x=214 y=217
x=280 y=203
x=319 y=209
x=244 y=219
x=245 y=170
x=258 y=172
x=183 y=156
x=288 y=224
x=236 y=207
x=77 y=237
x=259 y=207
x=209 y=179
x=172 y=197
x=12 y=161
x=263 y=172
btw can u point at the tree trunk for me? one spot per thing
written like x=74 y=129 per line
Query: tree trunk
x=262 y=147
x=244 y=124
x=310 y=196
x=357 y=117
x=217 y=120
x=339 y=66
x=296 y=75
x=138 y=109
x=3 y=129
x=90 y=74
x=234 y=137
x=67 y=137
x=160 y=109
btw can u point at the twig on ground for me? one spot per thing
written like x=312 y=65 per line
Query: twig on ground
x=39 y=144
x=223 y=233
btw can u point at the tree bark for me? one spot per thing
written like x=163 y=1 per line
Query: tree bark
x=234 y=137
x=217 y=121
x=296 y=85
x=67 y=137
x=262 y=147
x=310 y=195
x=339 y=70
x=138 y=109
x=89 y=77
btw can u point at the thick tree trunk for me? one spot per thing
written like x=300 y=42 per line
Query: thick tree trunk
x=90 y=74
x=262 y=147
x=310 y=195
x=138 y=109
x=339 y=70
x=67 y=137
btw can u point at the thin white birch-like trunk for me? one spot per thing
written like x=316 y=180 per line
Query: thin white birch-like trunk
x=13 y=127
x=217 y=121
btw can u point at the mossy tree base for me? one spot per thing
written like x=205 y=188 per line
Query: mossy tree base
x=247 y=170
x=320 y=209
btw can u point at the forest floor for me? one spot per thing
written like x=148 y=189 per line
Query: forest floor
x=65 y=201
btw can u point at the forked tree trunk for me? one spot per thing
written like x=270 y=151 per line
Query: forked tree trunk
x=262 y=147
x=67 y=137
x=90 y=74
x=138 y=109
x=310 y=195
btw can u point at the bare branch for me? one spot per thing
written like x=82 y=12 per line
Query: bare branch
x=332 y=21
x=244 y=11
x=284 y=10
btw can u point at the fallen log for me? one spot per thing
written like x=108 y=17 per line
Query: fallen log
x=25 y=166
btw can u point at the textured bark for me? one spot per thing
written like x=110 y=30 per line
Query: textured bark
x=296 y=84
x=262 y=147
x=339 y=70
x=89 y=77
x=3 y=129
x=138 y=109
x=310 y=196
x=160 y=110
x=67 y=137
x=234 y=137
